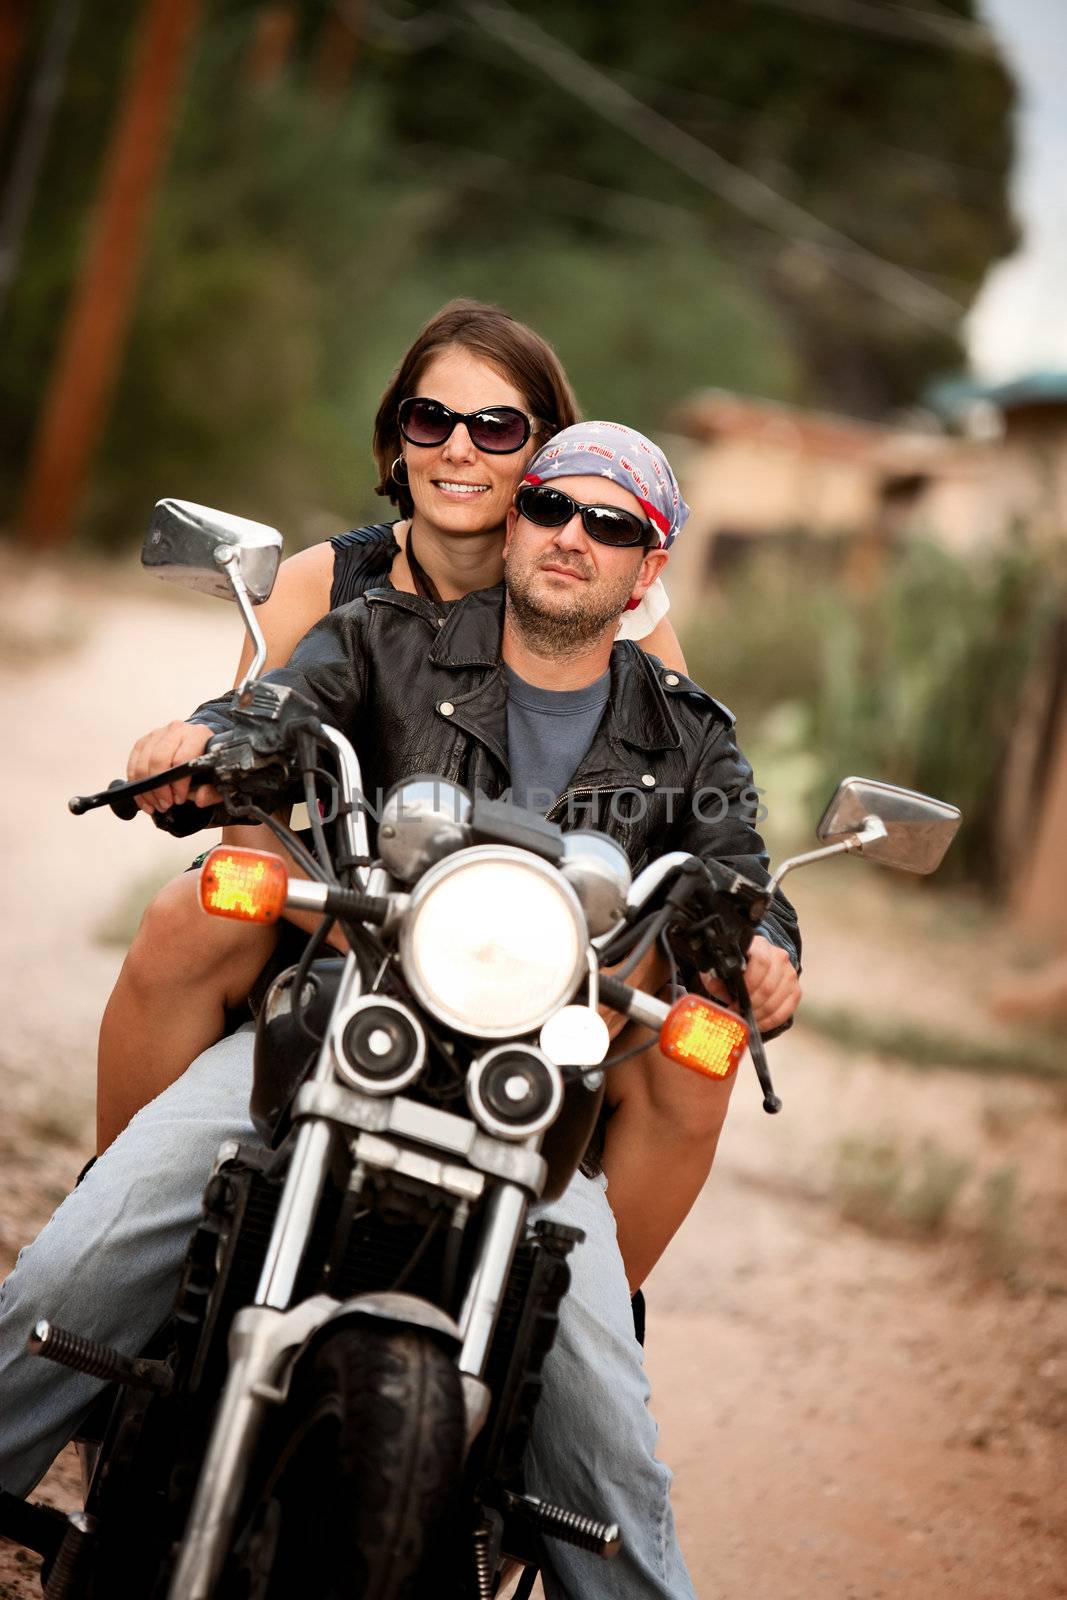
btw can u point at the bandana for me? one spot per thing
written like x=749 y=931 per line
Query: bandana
x=611 y=450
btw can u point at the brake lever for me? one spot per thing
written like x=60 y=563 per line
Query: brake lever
x=120 y=794
x=771 y=1103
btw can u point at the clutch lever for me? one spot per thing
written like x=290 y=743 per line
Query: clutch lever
x=119 y=794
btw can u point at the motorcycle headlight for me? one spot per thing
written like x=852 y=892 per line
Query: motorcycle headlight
x=494 y=942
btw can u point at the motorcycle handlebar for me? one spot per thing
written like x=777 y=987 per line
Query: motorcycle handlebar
x=119 y=794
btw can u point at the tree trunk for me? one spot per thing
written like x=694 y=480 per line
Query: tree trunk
x=76 y=404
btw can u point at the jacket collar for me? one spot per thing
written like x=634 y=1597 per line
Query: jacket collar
x=640 y=715
x=469 y=636
x=471 y=632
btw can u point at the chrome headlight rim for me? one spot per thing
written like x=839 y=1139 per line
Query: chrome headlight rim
x=483 y=1112
x=464 y=861
x=349 y=1072
x=424 y=819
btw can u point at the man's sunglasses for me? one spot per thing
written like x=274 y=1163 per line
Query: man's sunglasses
x=498 y=430
x=551 y=508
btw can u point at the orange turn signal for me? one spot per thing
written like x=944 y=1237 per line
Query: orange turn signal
x=248 y=885
x=703 y=1036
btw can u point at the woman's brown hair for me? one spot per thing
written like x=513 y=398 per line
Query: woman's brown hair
x=518 y=353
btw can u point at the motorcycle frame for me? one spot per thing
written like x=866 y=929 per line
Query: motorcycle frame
x=268 y=1337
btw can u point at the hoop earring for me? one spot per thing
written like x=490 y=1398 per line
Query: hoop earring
x=395 y=475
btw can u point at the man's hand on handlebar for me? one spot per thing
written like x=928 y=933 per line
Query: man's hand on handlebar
x=772 y=982
x=168 y=747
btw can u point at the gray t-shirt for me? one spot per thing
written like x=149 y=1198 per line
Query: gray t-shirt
x=549 y=731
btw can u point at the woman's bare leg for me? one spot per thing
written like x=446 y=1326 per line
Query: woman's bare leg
x=169 y=1003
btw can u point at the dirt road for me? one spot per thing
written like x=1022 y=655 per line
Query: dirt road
x=857 y=1341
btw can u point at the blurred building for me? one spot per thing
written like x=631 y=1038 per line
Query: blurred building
x=843 y=493
x=757 y=470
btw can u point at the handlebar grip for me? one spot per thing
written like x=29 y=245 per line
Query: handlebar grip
x=185 y=819
x=124 y=806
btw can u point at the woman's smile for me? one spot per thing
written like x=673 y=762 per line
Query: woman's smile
x=453 y=486
x=441 y=478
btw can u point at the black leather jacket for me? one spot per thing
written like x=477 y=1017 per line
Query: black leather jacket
x=420 y=689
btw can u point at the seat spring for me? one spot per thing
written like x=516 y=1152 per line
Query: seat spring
x=482 y=1570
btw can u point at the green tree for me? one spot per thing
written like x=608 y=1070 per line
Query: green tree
x=902 y=146
x=300 y=239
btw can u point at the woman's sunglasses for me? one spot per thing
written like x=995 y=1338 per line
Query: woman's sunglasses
x=551 y=508
x=498 y=430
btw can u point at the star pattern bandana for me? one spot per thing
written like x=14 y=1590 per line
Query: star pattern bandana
x=611 y=450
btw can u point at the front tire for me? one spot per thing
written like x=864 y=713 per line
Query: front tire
x=365 y=1468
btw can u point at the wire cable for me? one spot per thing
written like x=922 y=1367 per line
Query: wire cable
x=429 y=1234
x=676 y=987
x=299 y=852
x=318 y=833
x=910 y=23
x=740 y=189
x=300 y=978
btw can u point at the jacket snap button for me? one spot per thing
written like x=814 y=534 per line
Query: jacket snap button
x=446 y=708
x=648 y=780
x=672 y=678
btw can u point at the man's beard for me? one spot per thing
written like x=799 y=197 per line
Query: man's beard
x=581 y=618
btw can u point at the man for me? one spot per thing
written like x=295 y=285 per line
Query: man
x=524 y=693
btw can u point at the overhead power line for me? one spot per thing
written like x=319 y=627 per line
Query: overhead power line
x=489 y=172
x=918 y=26
x=743 y=191
x=429 y=29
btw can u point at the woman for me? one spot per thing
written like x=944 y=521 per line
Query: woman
x=476 y=395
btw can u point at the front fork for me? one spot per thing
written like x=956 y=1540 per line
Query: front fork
x=266 y=1337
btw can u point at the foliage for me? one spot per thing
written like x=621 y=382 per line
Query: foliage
x=999 y=1230
x=883 y=1186
x=56 y=226
x=903 y=148
x=921 y=684
x=758 y=645
x=918 y=683
x=886 y=1189
x=300 y=238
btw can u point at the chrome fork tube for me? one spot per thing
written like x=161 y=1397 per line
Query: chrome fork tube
x=225 y=1466
x=261 y=1342
x=296 y=1212
x=503 y=1228
x=235 y=1430
x=257 y=1339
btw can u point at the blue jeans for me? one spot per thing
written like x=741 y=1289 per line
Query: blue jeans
x=107 y=1265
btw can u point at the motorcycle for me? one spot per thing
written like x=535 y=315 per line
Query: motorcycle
x=341 y=1401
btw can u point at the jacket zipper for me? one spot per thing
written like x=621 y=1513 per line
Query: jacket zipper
x=569 y=794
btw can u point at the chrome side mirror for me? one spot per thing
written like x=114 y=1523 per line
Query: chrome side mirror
x=203 y=549
x=918 y=828
x=219 y=554
x=894 y=826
